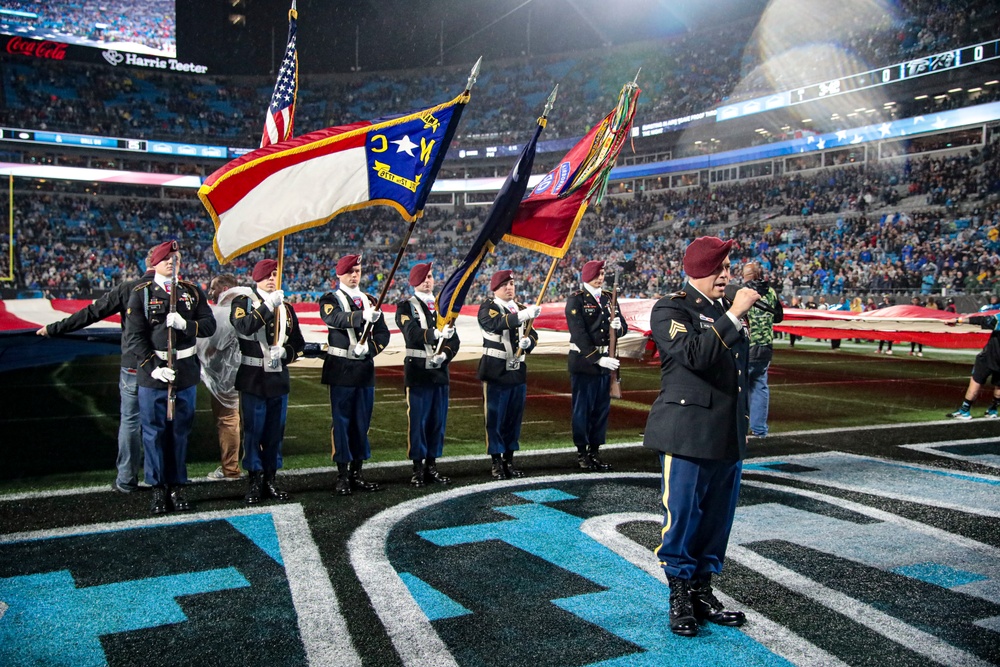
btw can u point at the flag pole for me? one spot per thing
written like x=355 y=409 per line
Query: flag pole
x=293 y=15
x=549 y=103
x=473 y=76
x=541 y=295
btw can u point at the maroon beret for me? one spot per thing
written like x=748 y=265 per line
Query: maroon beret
x=161 y=252
x=346 y=263
x=263 y=269
x=591 y=270
x=418 y=273
x=705 y=255
x=499 y=278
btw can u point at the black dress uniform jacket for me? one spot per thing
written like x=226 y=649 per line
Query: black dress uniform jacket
x=255 y=326
x=111 y=302
x=495 y=320
x=342 y=371
x=416 y=337
x=146 y=331
x=589 y=329
x=702 y=410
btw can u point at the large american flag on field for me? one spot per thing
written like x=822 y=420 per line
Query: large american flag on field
x=281 y=111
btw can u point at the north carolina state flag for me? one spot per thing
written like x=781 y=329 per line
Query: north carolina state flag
x=307 y=181
x=547 y=219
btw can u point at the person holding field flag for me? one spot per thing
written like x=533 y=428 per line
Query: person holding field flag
x=452 y=297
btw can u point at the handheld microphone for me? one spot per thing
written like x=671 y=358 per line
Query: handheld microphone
x=732 y=289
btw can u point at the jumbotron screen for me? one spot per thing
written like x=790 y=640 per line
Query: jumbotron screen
x=147 y=27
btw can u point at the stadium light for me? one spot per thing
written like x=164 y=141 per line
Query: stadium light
x=992 y=83
x=955 y=90
x=920 y=97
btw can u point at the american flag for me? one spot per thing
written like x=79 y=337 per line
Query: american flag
x=281 y=111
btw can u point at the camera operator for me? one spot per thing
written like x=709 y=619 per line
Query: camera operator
x=762 y=323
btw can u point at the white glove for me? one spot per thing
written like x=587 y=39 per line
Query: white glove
x=275 y=299
x=360 y=351
x=524 y=343
x=529 y=313
x=164 y=374
x=616 y=324
x=176 y=321
x=448 y=332
x=438 y=359
x=610 y=363
x=435 y=334
x=277 y=352
x=372 y=316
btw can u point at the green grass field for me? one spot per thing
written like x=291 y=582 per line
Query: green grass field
x=60 y=422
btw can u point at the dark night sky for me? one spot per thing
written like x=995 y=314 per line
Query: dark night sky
x=401 y=34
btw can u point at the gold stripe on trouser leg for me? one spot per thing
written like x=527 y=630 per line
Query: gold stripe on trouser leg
x=486 y=417
x=408 y=425
x=333 y=444
x=667 y=460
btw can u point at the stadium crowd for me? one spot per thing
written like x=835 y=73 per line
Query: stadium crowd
x=682 y=75
x=830 y=232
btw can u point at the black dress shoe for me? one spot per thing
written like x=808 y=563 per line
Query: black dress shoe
x=343 y=487
x=269 y=490
x=596 y=464
x=498 y=472
x=159 y=504
x=255 y=481
x=583 y=460
x=510 y=472
x=418 y=475
x=682 y=620
x=358 y=482
x=431 y=474
x=177 y=499
x=707 y=607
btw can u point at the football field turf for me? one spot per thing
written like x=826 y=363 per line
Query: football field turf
x=60 y=422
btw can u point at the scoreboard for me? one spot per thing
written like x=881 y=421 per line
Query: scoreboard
x=883 y=76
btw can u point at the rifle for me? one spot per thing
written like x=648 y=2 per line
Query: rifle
x=171 y=391
x=616 y=377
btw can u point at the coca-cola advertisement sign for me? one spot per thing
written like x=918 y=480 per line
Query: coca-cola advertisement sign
x=36 y=48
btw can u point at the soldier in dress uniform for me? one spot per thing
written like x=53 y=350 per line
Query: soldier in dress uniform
x=699 y=425
x=147 y=327
x=270 y=339
x=588 y=314
x=425 y=374
x=349 y=370
x=504 y=371
x=115 y=302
